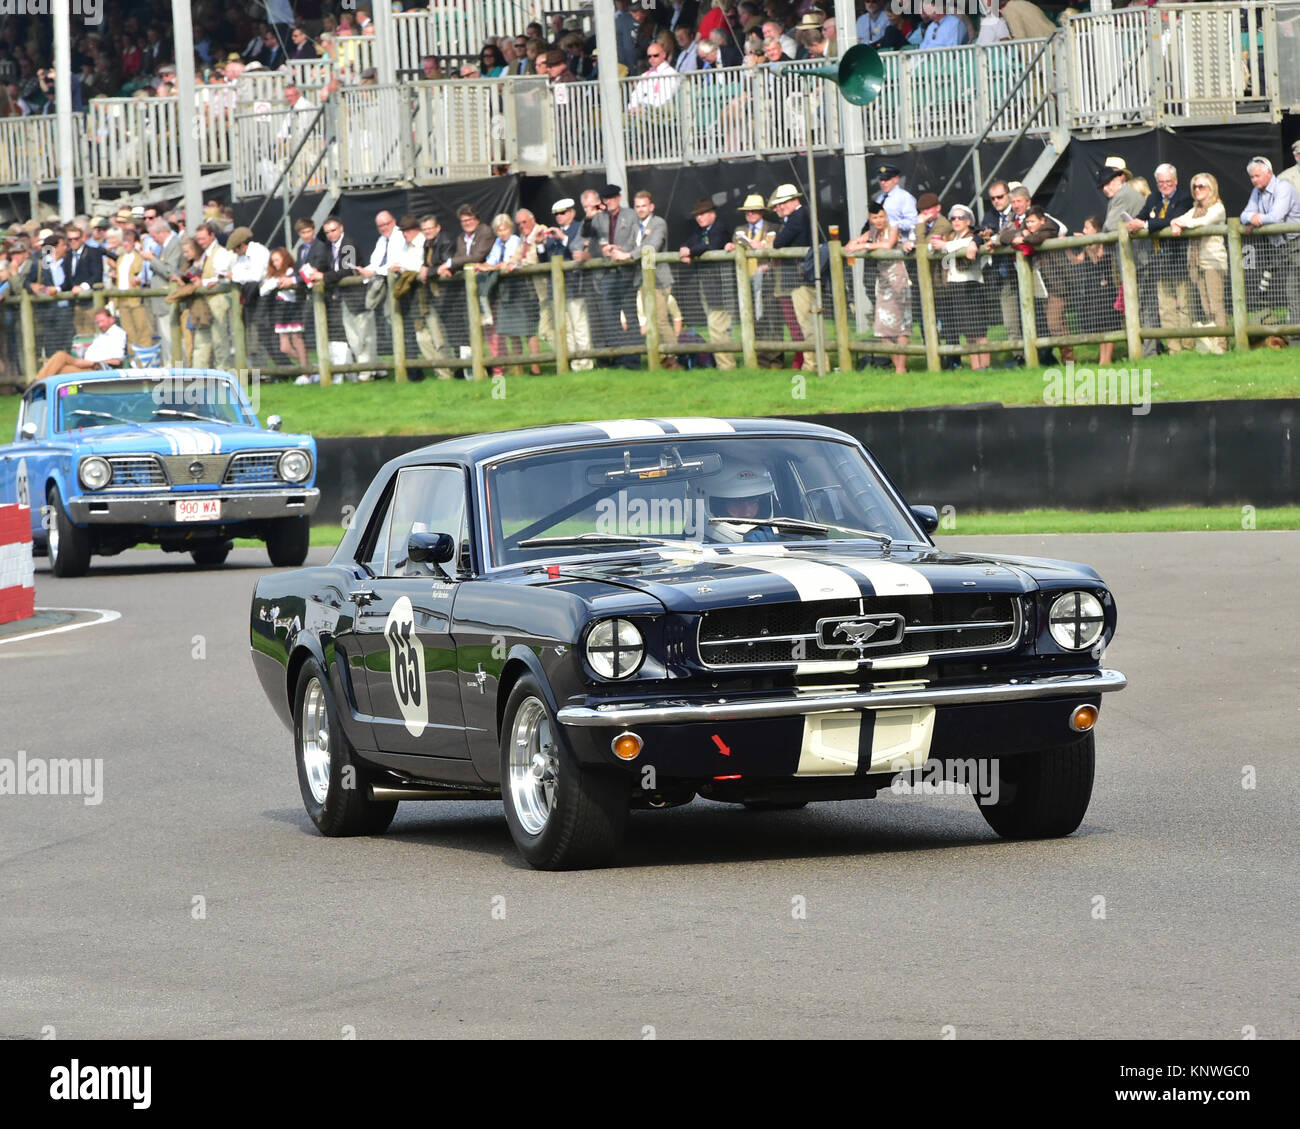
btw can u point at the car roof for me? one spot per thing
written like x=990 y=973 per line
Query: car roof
x=480 y=448
x=91 y=375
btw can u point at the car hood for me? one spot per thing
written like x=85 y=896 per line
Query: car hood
x=698 y=579
x=180 y=437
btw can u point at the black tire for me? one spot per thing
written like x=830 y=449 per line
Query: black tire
x=69 y=547
x=585 y=809
x=338 y=799
x=287 y=541
x=775 y=805
x=211 y=556
x=1043 y=795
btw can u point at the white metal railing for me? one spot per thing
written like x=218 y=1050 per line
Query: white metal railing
x=459 y=129
x=374 y=135
x=1110 y=70
x=138 y=139
x=577 y=130
x=264 y=139
x=1206 y=81
x=29 y=150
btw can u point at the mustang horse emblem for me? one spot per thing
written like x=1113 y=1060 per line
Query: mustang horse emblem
x=857 y=632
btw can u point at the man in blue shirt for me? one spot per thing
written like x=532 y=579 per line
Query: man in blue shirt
x=873 y=23
x=1273 y=200
x=942 y=30
x=899 y=204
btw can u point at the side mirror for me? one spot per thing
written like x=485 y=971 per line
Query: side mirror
x=927 y=516
x=274 y=423
x=29 y=430
x=431 y=548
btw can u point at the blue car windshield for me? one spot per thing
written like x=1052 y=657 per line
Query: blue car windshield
x=715 y=491
x=107 y=403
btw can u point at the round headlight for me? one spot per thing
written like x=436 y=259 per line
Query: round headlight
x=95 y=473
x=295 y=466
x=615 y=648
x=1076 y=620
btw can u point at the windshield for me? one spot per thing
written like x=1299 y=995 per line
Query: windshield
x=105 y=403
x=714 y=491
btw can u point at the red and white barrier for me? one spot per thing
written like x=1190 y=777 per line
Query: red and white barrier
x=17 y=575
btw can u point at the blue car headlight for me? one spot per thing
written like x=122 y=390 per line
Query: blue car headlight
x=95 y=473
x=295 y=466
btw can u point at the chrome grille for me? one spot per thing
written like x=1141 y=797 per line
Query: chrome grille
x=788 y=633
x=134 y=472
x=254 y=467
x=181 y=469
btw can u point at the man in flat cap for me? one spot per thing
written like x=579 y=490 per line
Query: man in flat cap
x=758 y=233
x=796 y=296
x=564 y=240
x=714 y=289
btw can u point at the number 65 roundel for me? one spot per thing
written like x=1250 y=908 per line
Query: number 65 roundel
x=406 y=664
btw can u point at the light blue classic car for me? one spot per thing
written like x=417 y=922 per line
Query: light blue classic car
x=174 y=457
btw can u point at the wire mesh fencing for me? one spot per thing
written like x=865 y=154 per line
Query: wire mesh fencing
x=1209 y=288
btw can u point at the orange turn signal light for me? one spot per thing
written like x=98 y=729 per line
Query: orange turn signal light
x=1083 y=718
x=626 y=746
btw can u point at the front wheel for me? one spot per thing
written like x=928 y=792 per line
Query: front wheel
x=1042 y=795
x=69 y=546
x=287 y=541
x=335 y=787
x=561 y=816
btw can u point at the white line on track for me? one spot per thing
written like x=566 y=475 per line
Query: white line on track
x=105 y=616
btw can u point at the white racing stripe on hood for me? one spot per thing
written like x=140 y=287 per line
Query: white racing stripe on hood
x=811 y=579
x=628 y=428
x=891 y=579
x=694 y=426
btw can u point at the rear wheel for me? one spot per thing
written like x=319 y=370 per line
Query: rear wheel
x=211 y=556
x=287 y=541
x=335 y=787
x=1042 y=795
x=560 y=815
x=69 y=547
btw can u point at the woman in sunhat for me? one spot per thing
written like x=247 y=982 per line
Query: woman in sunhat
x=963 y=299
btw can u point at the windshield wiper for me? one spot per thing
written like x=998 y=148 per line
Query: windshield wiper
x=798 y=525
x=174 y=413
x=105 y=415
x=591 y=539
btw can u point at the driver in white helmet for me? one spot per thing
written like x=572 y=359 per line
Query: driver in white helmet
x=743 y=493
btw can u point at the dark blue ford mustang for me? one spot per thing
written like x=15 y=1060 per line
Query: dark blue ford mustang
x=583 y=619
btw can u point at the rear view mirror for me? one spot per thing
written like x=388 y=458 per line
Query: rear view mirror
x=29 y=430
x=274 y=423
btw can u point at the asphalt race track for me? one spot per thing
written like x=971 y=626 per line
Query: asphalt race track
x=198 y=901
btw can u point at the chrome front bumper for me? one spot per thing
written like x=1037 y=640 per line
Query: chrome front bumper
x=684 y=713
x=160 y=509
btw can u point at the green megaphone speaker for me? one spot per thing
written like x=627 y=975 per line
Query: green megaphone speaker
x=860 y=74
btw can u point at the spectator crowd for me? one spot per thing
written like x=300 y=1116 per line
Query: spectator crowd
x=213 y=266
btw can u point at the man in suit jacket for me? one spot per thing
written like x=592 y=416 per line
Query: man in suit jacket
x=652 y=231
x=715 y=293
x=329 y=263
x=433 y=296
x=165 y=265
x=797 y=297
x=613 y=228
x=1166 y=266
x=473 y=245
x=83 y=269
x=758 y=233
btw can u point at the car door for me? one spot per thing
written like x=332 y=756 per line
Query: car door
x=403 y=621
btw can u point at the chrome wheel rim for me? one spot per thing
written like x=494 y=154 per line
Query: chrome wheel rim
x=316 y=741
x=534 y=766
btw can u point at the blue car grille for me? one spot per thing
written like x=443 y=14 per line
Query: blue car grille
x=136 y=471
x=254 y=469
